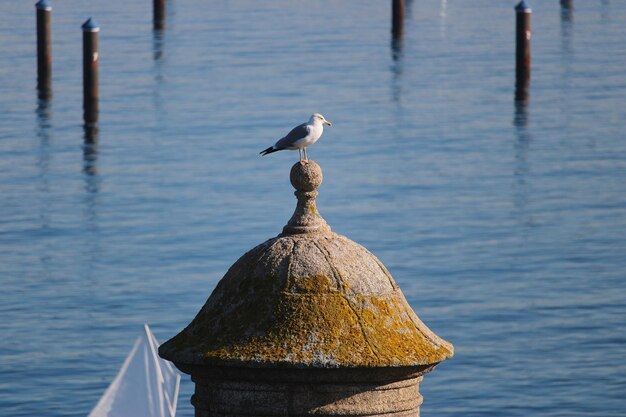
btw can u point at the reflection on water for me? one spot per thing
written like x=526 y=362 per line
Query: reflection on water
x=521 y=169
x=90 y=155
x=443 y=6
x=567 y=10
x=91 y=178
x=397 y=67
x=42 y=111
x=44 y=125
x=567 y=22
x=397 y=52
x=158 y=49
x=521 y=147
x=396 y=48
x=605 y=10
x=158 y=38
x=520 y=117
x=567 y=49
x=91 y=248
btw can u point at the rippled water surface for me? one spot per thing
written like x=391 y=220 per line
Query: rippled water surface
x=504 y=224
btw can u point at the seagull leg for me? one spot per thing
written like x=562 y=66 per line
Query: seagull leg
x=300 y=152
x=306 y=157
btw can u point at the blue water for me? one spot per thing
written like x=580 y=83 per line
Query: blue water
x=504 y=224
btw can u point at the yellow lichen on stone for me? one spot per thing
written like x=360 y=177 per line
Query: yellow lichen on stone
x=393 y=335
x=319 y=284
x=263 y=314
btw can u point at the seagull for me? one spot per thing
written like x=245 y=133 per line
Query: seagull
x=301 y=136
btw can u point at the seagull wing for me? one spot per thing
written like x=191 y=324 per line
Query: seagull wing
x=297 y=133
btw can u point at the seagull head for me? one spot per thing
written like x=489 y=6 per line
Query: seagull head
x=318 y=118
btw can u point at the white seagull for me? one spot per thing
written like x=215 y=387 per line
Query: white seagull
x=301 y=136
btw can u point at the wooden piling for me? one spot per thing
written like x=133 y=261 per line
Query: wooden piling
x=522 y=47
x=397 y=18
x=44 y=48
x=90 y=71
x=158 y=10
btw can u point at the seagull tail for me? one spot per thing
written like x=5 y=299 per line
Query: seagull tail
x=268 y=150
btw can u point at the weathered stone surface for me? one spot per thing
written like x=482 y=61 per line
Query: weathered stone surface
x=238 y=392
x=306 y=323
x=306 y=177
x=302 y=300
x=306 y=219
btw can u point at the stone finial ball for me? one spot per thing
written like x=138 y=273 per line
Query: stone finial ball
x=306 y=177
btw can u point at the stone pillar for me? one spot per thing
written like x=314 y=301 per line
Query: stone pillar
x=230 y=392
x=308 y=323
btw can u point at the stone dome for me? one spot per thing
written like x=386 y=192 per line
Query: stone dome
x=307 y=298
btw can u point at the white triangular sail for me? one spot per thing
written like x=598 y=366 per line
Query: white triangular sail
x=146 y=386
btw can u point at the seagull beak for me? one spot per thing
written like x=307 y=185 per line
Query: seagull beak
x=326 y=122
